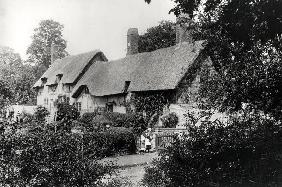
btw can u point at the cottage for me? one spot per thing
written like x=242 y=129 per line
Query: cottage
x=57 y=83
x=173 y=71
x=90 y=82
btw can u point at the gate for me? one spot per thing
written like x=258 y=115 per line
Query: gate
x=163 y=141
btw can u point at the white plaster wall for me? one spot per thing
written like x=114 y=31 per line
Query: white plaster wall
x=51 y=96
x=89 y=102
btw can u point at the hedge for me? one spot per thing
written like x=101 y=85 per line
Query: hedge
x=48 y=158
x=107 y=143
x=134 y=121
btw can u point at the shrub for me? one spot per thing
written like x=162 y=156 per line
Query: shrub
x=88 y=117
x=107 y=143
x=66 y=114
x=244 y=153
x=48 y=158
x=134 y=121
x=170 y=120
x=40 y=113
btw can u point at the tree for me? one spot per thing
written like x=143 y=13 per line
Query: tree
x=16 y=79
x=244 y=43
x=157 y=37
x=39 y=51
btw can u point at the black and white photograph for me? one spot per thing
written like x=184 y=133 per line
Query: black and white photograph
x=140 y=93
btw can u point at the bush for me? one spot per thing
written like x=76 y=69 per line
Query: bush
x=66 y=114
x=40 y=113
x=48 y=158
x=244 y=153
x=134 y=121
x=88 y=117
x=170 y=120
x=107 y=143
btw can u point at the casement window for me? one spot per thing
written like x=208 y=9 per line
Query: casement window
x=58 y=78
x=43 y=81
x=52 y=88
x=46 y=101
x=63 y=99
x=126 y=86
x=77 y=105
x=39 y=91
x=67 y=88
x=110 y=106
x=86 y=91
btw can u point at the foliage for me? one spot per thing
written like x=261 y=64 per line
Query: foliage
x=170 y=120
x=48 y=32
x=150 y=105
x=244 y=43
x=243 y=153
x=40 y=113
x=116 y=182
x=115 y=119
x=48 y=158
x=110 y=142
x=66 y=114
x=87 y=117
x=16 y=79
x=157 y=37
x=133 y=120
x=154 y=177
x=6 y=93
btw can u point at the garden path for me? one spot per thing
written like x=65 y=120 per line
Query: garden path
x=132 y=167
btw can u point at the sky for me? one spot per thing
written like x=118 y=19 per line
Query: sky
x=88 y=24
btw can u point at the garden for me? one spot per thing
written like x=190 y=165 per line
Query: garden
x=66 y=152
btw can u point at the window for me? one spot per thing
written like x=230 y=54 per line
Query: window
x=39 y=91
x=52 y=88
x=46 y=101
x=77 y=105
x=86 y=90
x=110 y=107
x=67 y=88
x=43 y=80
x=58 y=77
x=63 y=99
x=126 y=86
x=67 y=100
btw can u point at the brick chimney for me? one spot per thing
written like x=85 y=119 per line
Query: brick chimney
x=184 y=29
x=132 y=41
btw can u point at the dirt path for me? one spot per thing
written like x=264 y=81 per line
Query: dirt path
x=131 y=167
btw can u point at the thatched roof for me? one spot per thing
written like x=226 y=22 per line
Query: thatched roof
x=71 y=67
x=158 y=70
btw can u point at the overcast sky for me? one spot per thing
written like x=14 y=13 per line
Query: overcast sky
x=89 y=24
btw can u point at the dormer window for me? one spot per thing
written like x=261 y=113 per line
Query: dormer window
x=59 y=77
x=126 y=86
x=86 y=90
x=43 y=80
